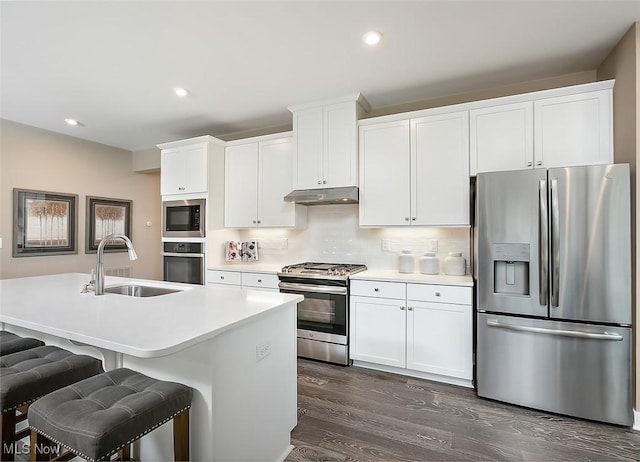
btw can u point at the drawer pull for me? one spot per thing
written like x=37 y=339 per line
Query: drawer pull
x=375 y=289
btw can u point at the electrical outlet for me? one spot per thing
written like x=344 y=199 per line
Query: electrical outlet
x=262 y=351
x=386 y=245
x=433 y=245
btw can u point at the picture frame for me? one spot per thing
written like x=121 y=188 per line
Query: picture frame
x=107 y=216
x=44 y=223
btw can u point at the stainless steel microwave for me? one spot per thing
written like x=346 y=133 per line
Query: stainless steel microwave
x=183 y=218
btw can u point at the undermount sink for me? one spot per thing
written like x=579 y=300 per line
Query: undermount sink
x=134 y=290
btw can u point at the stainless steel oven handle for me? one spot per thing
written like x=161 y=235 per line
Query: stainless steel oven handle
x=313 y=288
x=177 y=254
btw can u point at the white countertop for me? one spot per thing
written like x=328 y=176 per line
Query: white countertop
x=248 y=267
x=394 y=276
x=139 y=326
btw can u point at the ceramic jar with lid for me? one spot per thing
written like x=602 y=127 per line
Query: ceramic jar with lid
x=429 y=263
x=455 y=264
x=405 y=262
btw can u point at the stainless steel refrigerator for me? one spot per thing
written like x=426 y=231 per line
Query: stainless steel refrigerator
x=554 y=290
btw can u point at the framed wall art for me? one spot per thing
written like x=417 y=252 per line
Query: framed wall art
x=107 y=216
x=44 y=223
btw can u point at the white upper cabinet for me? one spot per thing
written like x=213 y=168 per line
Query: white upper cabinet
x=553 y=128
x=415 y=172
x=440 y=170
x=326 y=143
x=574 y=130
x=184 y=168
x=501 y=137
x=241 y=186
x=257 y=177
x=385 y=162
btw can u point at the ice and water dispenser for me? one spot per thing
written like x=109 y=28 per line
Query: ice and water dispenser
x=511 y=269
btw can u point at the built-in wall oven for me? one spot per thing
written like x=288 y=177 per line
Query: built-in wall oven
x=323 y=315
x=183 y=262
x=183 y=218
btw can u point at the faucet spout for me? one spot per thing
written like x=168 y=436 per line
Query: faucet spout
x=100 y=257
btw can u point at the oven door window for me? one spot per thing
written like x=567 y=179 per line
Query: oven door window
x=184 y=269
x=322 y=312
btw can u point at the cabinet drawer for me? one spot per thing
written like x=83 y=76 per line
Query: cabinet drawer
x=442 y=294
x=224 y=277
x=260 y=280
x=378 y=289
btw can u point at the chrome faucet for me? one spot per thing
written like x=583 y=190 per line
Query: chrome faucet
x=99 y=268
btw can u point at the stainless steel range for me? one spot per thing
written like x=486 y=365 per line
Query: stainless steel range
x=323 y=315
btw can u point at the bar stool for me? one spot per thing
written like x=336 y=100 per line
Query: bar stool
x=27 y=375
x=102 y=415
x=12 y=343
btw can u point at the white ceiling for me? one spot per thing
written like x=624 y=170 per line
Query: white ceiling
x=113 y=65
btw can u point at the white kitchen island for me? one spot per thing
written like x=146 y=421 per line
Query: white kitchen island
x=235 y=348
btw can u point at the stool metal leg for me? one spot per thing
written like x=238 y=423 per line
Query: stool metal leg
x=181 y=436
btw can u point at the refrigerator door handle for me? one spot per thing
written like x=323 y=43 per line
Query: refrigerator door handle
x=555 y=245
x=543 y=239
x=560 y=332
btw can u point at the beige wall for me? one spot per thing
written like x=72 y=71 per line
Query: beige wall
x=505 y=90
x=623 y=64
x=31 y=158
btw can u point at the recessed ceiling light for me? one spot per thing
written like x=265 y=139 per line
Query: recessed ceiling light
x=181 y=91
x=372 y=37
x=73 y=122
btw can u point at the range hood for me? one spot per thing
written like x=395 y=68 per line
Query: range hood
x=348 y=195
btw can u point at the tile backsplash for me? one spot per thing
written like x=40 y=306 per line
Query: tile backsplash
x=333 y=235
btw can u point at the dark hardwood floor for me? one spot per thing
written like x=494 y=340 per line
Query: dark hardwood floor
x=354 y=414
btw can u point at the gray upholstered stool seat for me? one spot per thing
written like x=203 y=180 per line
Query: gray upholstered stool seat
x=12 y=343
x=101 y=415
x=27 y=375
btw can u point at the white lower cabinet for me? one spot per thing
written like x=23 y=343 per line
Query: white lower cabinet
x=243 y=279
x=377 y=330
x=426 y=330
x=439 y=339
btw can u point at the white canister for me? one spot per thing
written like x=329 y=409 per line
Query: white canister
x=406 y=262
x=455 y=264
x=429 y=264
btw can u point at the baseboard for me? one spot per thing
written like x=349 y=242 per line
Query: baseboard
x=636 y=420
x=417 y=374
x=284 y=455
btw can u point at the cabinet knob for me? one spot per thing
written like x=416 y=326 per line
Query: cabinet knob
x=375 y=289
x=222 y=278
x=260 y=281
x=319 y=182
x=437 y=294
x=413 y=218
x=324 y=181
x=539 y=162
x=181 y=188
x=254 y=221
x=406 y=218
x=529 y=164
x=402 y=308
x=259 y=221
x=410 y=308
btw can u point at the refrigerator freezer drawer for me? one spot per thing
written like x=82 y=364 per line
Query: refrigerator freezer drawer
x=580 y=370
